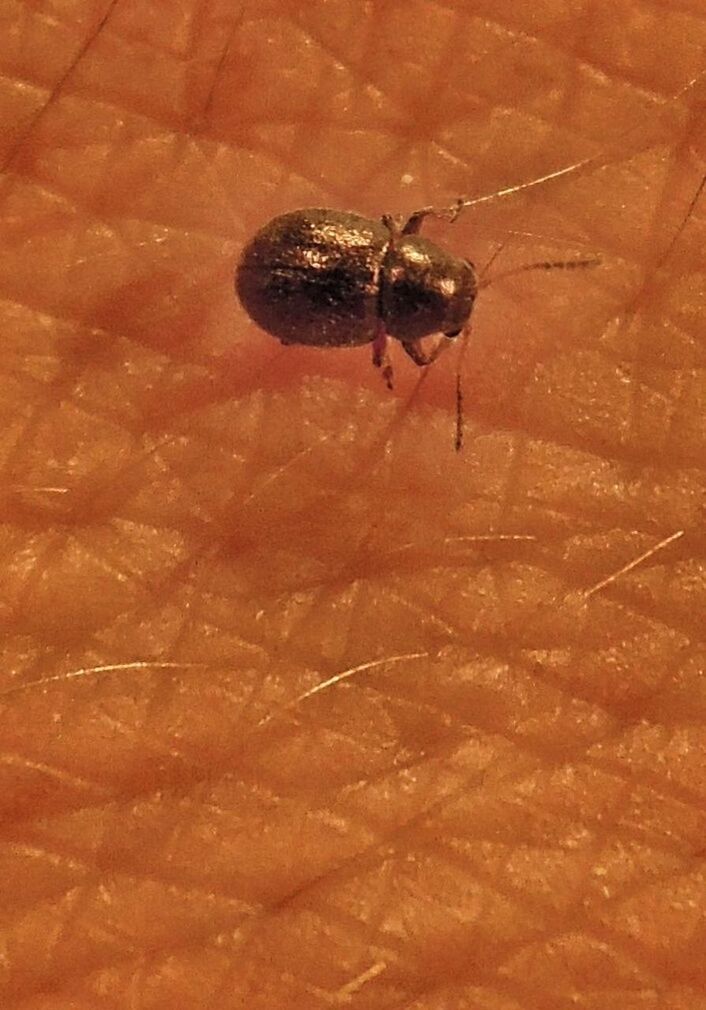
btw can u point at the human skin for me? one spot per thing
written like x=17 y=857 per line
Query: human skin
x=298 y=706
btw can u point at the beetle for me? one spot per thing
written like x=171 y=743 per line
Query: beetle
x=330 y=278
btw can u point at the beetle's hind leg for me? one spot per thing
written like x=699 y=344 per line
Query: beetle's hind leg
x=381 y=354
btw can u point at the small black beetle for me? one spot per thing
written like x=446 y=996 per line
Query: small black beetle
x=330 y=278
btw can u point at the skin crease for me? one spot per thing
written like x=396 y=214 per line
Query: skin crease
x=495 y=800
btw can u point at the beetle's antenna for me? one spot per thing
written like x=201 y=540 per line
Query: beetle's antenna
x=594 y=160
x=465 y=202
x=460 y=357
x=460 y=418
x=488 y=265
x=591 y=261
x=462 y=347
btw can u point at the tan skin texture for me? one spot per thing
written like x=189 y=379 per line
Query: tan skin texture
x=496 y=799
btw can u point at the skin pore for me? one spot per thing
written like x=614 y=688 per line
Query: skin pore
x=299 y=707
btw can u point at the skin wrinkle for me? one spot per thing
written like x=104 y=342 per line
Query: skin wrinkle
x=200 y=774
x=310 y=942
x=656 y=782
x=79 y=784
x=454 y=635
x=197 y=939
x=56 y=91
x=686 y=797
x=425 y=814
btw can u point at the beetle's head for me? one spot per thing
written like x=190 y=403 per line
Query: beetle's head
x=425 y=290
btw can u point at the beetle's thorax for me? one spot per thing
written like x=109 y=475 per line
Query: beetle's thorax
x=424 y=289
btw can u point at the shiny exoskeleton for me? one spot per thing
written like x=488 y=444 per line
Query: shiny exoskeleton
x=329 y=278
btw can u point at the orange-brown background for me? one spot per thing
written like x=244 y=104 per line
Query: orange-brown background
x=499 y=805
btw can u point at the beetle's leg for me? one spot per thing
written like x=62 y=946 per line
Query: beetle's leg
x=413 y=224
x=395 y=225
x=421 y=357
x=381 y=354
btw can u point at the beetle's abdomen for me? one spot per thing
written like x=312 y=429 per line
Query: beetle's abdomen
x=313 y=277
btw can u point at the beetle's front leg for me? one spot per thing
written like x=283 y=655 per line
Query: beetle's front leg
x=421 y=357
x=381 y=354
x=414 y=222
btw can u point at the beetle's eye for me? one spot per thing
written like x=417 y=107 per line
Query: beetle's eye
x=455 y=333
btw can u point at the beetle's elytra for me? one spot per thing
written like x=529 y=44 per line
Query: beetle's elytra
x=329 y=278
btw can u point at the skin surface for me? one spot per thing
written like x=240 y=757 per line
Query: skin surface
x=298 y=707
